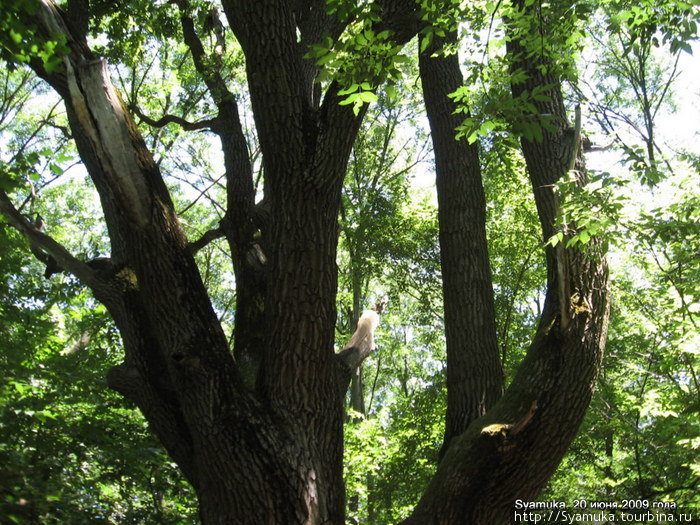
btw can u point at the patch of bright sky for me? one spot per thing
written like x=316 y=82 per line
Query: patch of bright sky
x=676 y=130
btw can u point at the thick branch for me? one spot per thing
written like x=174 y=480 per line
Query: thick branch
x=244 y=237
x=513 y=449
x=163 y=312
x=209 y=67
x=400 y=17
x=239 y=172
x=474 y=373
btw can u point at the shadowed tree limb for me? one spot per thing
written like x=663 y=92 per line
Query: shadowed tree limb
x=44 y=242
x=173 y=119
x=209 y=236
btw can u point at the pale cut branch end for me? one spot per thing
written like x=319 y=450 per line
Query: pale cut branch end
x=361 y=343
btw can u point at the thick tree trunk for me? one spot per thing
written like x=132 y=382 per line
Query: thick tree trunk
x=474 y=373
x=259 y=436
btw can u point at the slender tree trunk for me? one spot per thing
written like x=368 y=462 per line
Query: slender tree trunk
x=474 y=373
x=357 y=390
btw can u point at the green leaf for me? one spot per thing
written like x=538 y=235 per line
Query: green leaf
x=325 y=59
x=426 y=41
x=16 y=37
x=556 y=238
x=350 y=99
x=351 y=89
x=367 y=96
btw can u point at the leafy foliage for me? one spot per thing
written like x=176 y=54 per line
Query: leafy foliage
x=641 y=435
x=20 y=42
x=71 y=451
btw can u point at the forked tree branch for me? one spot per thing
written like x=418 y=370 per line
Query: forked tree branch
x=173 y=119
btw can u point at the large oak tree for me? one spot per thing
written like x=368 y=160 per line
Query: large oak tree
x=257 y=428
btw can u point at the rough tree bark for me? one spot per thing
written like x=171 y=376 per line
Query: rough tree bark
x=474 y=373
x=258 y=432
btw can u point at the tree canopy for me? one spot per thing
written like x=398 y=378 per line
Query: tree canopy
x=206 y=208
